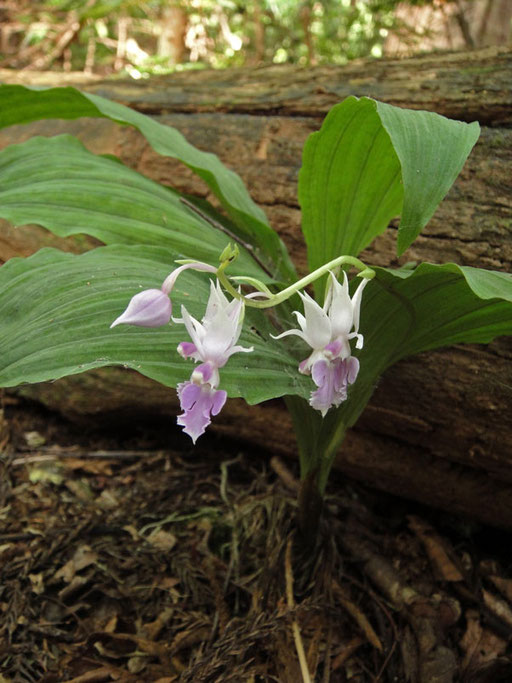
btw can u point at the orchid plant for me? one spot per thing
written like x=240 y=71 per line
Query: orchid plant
x=323 y=350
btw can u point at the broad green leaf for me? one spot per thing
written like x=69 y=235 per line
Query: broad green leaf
x=349 y=183
x=406 y=312
x=58 y=184
x=432 y=151
x=369 y=163
x=19 y=104
x=445 y=305
x=56 y=309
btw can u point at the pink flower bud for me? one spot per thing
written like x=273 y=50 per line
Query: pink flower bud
x=150 y=308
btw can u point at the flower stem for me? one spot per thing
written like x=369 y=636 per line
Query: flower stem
x=285 y=294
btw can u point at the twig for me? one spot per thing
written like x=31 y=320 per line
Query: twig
x=46 y=454
x=295 y=627
x=65 y=38
x=359 y=617
x=284 y=474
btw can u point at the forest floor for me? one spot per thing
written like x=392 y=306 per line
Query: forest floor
x=125 y=557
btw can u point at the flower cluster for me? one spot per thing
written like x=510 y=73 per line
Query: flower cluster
x=214 y=341
x=327 y=329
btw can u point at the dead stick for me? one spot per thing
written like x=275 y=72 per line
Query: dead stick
x=291 y=604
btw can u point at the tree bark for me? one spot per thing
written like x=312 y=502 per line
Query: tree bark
x=438 y=428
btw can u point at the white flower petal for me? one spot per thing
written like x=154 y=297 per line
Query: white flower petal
x=317 y=328
x=195 y=330
x=356 y=303
x=294 y=332
x=340 y=310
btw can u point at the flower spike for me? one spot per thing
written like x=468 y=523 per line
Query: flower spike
x=328 y=330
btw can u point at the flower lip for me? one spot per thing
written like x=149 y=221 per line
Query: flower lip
x=149 y=308
x=198 y=402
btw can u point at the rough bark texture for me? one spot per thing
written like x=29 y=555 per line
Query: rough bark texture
x=438 y=428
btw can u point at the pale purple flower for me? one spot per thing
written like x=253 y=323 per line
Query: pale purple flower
x=328 y=330
x=214 y=341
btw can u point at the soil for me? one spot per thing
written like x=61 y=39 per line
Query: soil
x=127 y=555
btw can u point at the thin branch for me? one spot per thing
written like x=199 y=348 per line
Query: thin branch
x=306 y=678
x=65 y=38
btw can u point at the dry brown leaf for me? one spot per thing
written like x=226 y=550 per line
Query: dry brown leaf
x=162 y=540
x=37 y=583
x=72 y=587
x=480 y=645
x=3 y=549
x=101 y=675
x=89 y=465
x=346 y=652
x=83 y=557
x=81 y=489
x=503 y=585
x=358 y=616
x=152 y=629
x=111 y=624
x=438 y=552
x=498 y=606
x=132 y=531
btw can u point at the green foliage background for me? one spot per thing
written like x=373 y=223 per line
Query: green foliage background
x=220 y=33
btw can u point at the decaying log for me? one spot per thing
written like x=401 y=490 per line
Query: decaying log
x=438 y=428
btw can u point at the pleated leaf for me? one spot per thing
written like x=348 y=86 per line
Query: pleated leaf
x=56 y=309
x=406 y=312
x=20 y=104
x=57 y=183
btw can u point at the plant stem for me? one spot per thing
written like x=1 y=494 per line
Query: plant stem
x=310 y=504
x=329 y=454
x=284 y=294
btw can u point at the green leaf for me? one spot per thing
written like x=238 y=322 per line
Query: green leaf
x=442 y=305
x=56 y=309
x=432 y=151
x=370 y=162
x=349 y=183
x=60 y=185
x=20 y=104
x=406 y=312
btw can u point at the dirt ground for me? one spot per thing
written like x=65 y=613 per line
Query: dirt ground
x=127 y=555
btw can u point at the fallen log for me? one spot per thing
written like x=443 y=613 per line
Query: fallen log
x=438 y=428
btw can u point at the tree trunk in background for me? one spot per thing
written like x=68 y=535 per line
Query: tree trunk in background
x=438 y=428
x=450 y=26
x=171 y=41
